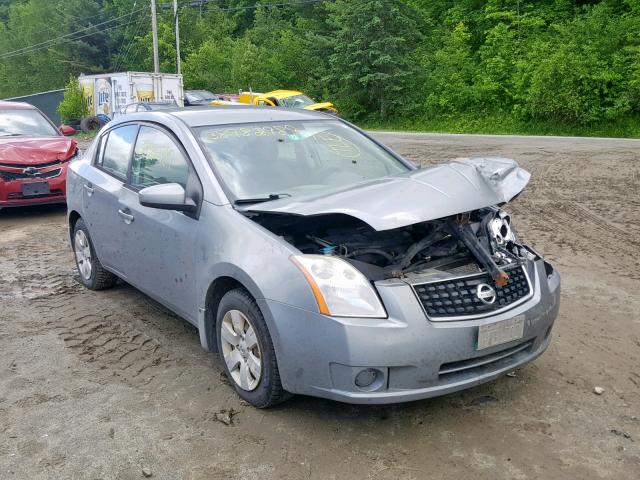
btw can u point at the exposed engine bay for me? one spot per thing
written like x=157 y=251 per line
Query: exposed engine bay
x=482 y=240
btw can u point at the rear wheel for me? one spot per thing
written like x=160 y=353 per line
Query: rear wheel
x=246 y=350
x=92 y=273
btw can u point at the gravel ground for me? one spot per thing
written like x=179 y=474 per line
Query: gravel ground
x=110 y=385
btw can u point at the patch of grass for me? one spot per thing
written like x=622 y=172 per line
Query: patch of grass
x=80 y=135
x=503 y=124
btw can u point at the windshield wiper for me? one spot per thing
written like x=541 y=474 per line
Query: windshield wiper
x=271 y=196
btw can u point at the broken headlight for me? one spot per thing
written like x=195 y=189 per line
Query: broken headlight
x=339 y=288
x=501 y=230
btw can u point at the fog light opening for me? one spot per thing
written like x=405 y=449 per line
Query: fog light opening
x=369 y=379
x=548 y=268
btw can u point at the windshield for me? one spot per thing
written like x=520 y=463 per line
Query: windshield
x=200 y=96
x=296 y=101
x=29 y=122
x=257 y=160
x=162 y=106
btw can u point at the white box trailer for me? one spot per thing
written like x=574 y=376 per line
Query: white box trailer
x=107 y=93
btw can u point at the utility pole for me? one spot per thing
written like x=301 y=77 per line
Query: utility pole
x=177 y=30
x=154 y=28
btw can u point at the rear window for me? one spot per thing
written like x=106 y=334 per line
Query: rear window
x=117 y=150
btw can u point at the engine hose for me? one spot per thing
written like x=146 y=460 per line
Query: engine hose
x=375 y=251
x=417 y=247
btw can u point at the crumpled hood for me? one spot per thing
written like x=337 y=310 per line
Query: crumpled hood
x=421 y=195
x=35 y=150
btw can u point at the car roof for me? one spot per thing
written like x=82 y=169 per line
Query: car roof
x=282 y=93
x=197 y=117
x=16 y=106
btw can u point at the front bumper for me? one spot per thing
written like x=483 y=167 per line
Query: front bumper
x=415 y=358
x=11 y=191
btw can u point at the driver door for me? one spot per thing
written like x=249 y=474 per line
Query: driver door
x=159 y=244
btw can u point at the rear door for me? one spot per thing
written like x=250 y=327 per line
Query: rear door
x=159 y=252
x=103 y=184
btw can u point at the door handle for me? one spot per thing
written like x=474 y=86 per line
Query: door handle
x=127 y=217
x=88 y=188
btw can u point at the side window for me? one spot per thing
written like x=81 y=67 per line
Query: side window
x=100 y=153
x=130 y=108
x=117 y=150
x=157 y=159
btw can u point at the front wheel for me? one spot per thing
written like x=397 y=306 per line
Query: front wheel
x=246 y=350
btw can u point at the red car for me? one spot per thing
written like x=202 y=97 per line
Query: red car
x=34 y=155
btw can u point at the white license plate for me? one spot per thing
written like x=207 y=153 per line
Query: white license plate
x=35 y=188
x=500 y=332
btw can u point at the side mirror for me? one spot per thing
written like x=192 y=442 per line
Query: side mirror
x=67 y=130
x=168 y=196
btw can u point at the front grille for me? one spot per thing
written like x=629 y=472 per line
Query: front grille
x=10 y=176
x=457 y=298
x=37 y=165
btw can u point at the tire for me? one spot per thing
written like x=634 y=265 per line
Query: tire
x=95 y=277
x=88 y=124
x=266 y=391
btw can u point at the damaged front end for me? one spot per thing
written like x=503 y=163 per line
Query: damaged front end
x=478 y=244
x=383 y=257
x=469 y=263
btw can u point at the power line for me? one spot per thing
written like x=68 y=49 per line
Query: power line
x=125 y=57
x=197 y=3
x=75 y=38
x=54 y=40
x=124 y=35
x=70 y=36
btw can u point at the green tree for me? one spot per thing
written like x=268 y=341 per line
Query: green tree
x=449 y=86
x=570 y=62
x=48 y=64
x=373 y=62
x=571 y=75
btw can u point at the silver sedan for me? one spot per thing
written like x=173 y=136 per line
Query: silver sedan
x=311 y=258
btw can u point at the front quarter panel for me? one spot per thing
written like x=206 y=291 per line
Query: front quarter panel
x=231 y=245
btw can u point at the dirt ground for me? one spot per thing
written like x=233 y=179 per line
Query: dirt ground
x=101 y=385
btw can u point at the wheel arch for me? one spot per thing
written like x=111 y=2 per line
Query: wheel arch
x=73 y=216
x=228 y=279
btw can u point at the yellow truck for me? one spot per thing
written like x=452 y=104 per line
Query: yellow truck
x=280 y=98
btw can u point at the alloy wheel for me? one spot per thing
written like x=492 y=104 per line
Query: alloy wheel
x=83 y=254
x=241 y=350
